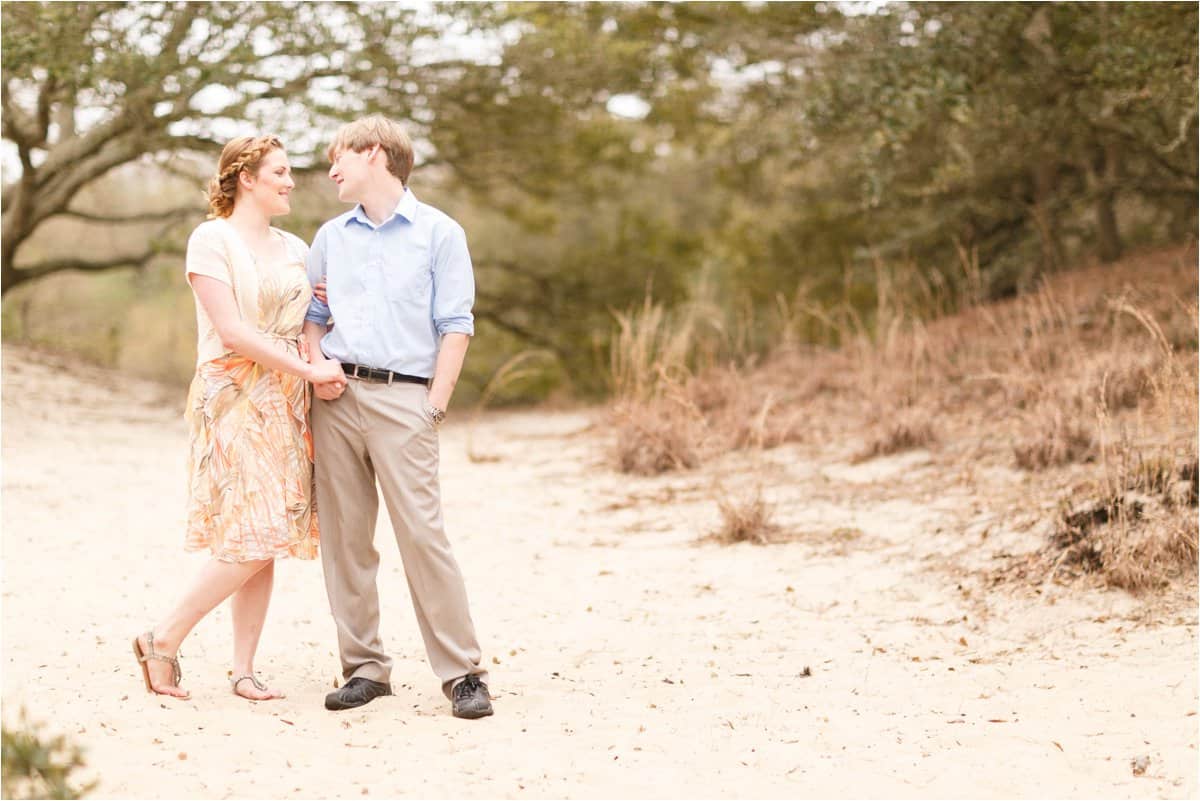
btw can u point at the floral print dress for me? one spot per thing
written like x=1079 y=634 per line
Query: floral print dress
x=250 y=469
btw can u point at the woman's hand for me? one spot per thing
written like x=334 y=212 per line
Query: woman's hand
x=328 y=379
x=319 y=291
x=326 y=371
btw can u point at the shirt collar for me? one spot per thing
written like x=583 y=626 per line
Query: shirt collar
x=406 y=208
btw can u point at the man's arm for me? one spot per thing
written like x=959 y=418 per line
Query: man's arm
x=317 y=319
x=450 y=358
x=329 y=390
x=453 y=296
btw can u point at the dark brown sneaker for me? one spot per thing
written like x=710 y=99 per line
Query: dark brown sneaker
x=471 y=698
x=358 y=691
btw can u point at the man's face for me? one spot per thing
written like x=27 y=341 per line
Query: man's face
x=351 y=172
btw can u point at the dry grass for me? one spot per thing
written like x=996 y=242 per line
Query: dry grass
x=1090 y=379
x=1148 y=557
x=656 y=438
x=1054 y=436
x=1138 y=532
x=745 y=518
x=675 y=404
x=908 y=430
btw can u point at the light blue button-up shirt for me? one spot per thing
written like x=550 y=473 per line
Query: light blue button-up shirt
x=394 y=288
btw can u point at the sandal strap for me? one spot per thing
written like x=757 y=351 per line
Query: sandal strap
x=258 y=685
x=173 y=661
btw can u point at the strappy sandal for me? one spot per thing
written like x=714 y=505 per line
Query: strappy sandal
x=144 y=657
x=258 y=685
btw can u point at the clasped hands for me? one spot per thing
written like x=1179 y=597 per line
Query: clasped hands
x=328 y=379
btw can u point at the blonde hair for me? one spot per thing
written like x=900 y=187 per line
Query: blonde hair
x=242 y=154
x=374 y=130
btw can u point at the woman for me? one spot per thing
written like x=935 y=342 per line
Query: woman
x=250 y=494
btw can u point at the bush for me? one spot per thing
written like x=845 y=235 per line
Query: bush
x=38 y=766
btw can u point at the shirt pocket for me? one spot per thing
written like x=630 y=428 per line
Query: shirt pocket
x=410 y=282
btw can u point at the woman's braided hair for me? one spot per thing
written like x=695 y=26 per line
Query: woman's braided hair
x=243 y=153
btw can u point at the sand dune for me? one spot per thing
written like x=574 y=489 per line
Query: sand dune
x=866 y=657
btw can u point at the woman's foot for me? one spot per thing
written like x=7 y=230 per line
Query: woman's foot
x=160 y=665
x=250 y=688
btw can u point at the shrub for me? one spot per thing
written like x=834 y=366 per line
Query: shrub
x=38 y=766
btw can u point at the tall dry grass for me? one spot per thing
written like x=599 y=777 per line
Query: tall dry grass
x=1094 y=372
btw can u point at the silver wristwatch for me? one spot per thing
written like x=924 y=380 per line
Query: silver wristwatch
x=437 y=415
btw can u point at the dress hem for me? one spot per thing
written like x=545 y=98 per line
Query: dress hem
x=285 y=553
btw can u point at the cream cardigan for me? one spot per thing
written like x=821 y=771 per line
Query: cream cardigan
x=215 y=249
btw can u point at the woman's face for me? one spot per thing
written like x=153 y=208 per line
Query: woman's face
x=270 y=187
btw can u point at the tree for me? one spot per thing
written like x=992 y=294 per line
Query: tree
x=599 y=208
x=88 y=87
x=1008 y=129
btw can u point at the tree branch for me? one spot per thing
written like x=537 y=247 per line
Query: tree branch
x=117 y=219
x=35 y=271
x=44 y=102
x=54 y=195
x=517 y=330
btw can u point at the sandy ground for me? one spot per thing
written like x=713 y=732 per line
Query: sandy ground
x=867 y=657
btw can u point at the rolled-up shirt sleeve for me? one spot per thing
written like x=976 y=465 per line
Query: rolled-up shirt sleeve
x=318 y=312
x=453 y=283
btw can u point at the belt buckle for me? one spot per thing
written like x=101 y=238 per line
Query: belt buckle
x=391 y=375
x=355 y=373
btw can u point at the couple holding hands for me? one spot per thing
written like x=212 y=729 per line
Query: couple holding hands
x=382 y=340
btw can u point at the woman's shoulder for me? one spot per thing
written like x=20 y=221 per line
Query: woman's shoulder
x=213 y=230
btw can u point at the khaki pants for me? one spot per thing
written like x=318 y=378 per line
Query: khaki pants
x=379 y=431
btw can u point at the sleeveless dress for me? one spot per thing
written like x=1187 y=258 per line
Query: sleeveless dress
x=250 y=465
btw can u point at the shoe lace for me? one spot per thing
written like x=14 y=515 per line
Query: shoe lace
x=466 y=687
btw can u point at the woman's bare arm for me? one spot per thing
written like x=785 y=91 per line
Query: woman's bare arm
x=216 y=297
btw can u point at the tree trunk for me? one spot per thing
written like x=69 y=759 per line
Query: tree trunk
x=1108 y=234
x=1108 y=238
x=15 y=231
x=1045 y=216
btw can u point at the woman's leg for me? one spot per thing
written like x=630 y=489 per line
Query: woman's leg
x=249 y=605
x=216 y=582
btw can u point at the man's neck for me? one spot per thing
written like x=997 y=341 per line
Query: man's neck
x=381 y=200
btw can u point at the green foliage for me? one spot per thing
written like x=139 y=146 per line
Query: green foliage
x=1015 y=130
x=38 y=766
x=791 y=155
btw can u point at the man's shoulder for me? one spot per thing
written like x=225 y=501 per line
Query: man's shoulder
x=435 y=217
x=337 y=222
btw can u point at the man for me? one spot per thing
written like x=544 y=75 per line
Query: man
x=399 y=290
